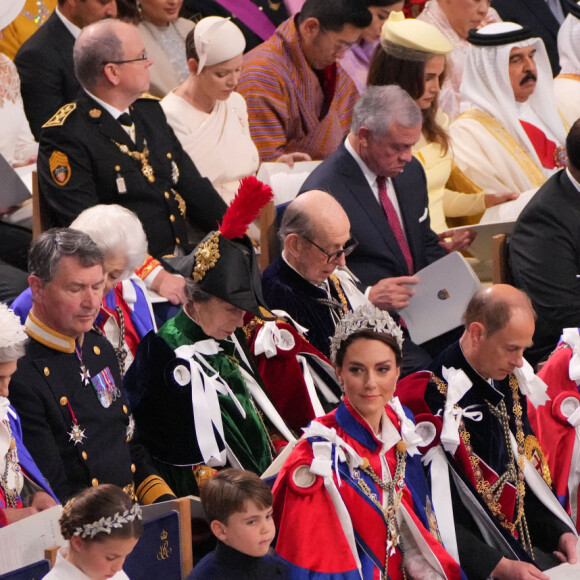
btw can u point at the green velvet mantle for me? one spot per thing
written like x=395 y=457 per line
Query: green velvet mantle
x=247 y=438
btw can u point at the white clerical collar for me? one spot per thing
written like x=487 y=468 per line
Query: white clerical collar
x=113 y=111
x=370 y=176
x=72 y=28
x=47 y=336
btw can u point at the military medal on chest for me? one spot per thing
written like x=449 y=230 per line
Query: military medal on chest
x=105 y=387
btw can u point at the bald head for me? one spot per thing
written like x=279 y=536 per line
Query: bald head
x=314 y=219
x=499 y=325
x=98 y=43
x=493 y=307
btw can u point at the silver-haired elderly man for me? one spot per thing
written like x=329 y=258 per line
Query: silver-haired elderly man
x=111 y=146
x=67 y=388
x=310 y=280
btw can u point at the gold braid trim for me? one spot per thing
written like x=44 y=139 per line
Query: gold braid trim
x=336 y=283
x=151 y=489
x=507 y=141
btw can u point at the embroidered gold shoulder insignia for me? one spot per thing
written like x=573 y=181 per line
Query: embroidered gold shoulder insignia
x=59 y=168
x=149 y=96
x=58 y=119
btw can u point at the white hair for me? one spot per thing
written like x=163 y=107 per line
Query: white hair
x=12 y=335
x=116 y=231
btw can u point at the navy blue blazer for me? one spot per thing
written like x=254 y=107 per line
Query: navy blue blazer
x=46 y=69
x=378 y=254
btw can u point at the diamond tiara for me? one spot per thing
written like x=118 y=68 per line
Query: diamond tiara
x=367 y=317
x=106 y=525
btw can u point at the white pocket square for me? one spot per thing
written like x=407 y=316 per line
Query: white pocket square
x=424 y=216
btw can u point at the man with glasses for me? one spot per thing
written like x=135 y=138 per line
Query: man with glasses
x=111 y=146
x=310 y=279
x=45 y=60
x=299 y=99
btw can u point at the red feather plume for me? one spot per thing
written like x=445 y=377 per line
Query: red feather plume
x=251 y=197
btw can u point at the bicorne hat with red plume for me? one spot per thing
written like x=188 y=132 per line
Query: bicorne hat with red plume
x=224 y=263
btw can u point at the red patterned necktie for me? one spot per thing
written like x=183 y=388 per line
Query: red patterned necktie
x=394 y=222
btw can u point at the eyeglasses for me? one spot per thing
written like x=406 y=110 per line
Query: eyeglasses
x=141 y=58
x=348 y=249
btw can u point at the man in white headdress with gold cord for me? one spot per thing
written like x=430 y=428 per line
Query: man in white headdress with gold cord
x=510 y=135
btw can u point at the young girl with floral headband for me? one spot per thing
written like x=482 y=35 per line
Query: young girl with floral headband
x=102 y=526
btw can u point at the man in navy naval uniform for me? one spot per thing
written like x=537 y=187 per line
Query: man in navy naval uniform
x=67 y=389
x=110 y=146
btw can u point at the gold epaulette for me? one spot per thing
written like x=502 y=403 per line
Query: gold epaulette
x=149 y=96
x=58 y=119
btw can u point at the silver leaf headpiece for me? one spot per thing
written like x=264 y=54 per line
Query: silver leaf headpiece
x=106 y=525
x=367 y=317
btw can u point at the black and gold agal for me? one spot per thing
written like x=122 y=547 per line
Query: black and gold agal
x=224 y=264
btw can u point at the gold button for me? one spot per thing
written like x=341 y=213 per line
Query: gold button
x=171 y=218
x=167 y=196
x=169 y=156
x=117 y=168
x=96 y=350
x=46 y=371
x=95 y=482
x=63 y=401
x=177 y=241
x=133 y=468
x=84 y=454
x=125 y=410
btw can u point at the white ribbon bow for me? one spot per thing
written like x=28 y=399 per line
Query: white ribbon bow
x=571 y=336
x=4 y=406
x=408 y=433
x=343 y=449
x=206 y=383
x=531 y=385
x=458 y=384
x=270 y=338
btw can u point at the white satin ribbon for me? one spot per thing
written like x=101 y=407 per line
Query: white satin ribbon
x=322 y=465
x=270 y=338
x=4 y=406
x=206 y=383
x=310 y=387
x=344 y=452
x=571 y=336
x=408 y=433
x=458 y=384
x=532 y=386
x=441 y=496
x=283 y=314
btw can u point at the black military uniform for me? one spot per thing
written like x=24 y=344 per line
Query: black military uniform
x=46 y=69
x=75 y=420
x=87 y=158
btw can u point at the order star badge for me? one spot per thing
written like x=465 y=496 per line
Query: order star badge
x=76 y=434
x=85 y=375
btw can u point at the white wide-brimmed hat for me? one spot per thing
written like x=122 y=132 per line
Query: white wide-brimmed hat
x=9 y=10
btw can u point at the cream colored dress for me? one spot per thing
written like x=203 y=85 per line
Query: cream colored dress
x=218 y=142
x=445 y=202
x=17 y=144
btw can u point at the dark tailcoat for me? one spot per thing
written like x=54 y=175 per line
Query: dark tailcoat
x=47 y=75
x=378 y=254
x=545 y=260
x=79 y=165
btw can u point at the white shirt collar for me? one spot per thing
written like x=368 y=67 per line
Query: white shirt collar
x=370 y=176
x=72 y=28
x=113 y=111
